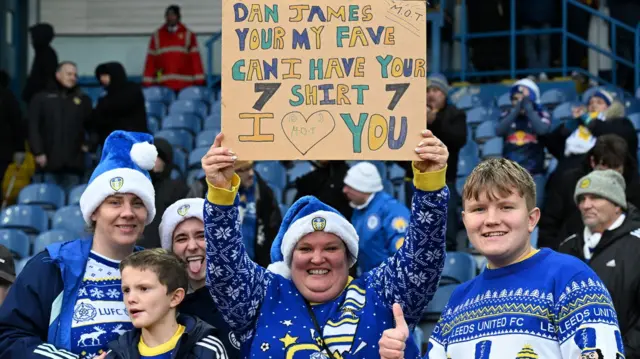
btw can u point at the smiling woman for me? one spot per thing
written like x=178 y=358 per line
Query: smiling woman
x=70 y=293
x=305 y=304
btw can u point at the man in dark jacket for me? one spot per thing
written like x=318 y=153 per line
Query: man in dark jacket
x=168 y=191
x=325 y=182
x=259 y=213
x=12 y=128
x=610 y=244
x=449 y=124
x=45 y=61
x=57 y=120
x=122 y=108
x=561 y=216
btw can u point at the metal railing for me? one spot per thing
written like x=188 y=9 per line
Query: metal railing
x=212 y=80
x=513 y=32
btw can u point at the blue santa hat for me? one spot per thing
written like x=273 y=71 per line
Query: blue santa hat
x=126 y=159
x=534 y=90
x=308 y=215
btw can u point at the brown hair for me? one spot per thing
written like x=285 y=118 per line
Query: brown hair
x=499 y=177
x=169 y=268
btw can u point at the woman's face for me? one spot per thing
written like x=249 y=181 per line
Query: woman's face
x=120 y=218
x=319 y=266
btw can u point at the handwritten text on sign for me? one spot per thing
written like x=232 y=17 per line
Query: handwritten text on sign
x=324 y=79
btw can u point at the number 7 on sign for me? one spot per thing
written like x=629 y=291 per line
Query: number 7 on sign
x=400 y=89
x=268 y=90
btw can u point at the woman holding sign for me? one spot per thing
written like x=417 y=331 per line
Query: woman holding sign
x=305 y=305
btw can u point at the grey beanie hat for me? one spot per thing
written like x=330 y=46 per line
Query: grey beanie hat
x=607 y=184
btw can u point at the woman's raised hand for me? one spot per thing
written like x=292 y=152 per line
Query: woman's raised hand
x=218 y=163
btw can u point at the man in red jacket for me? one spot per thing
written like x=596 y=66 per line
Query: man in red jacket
x=173 y=58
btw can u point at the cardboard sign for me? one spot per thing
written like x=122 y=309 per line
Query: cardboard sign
x=323 y=79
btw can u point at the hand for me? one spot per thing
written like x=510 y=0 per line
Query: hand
x=18 y=158
x=393 y=340
x=102 y=356
x=41 y=160
x=432 y=152
x=578 y=111
x=218 y=163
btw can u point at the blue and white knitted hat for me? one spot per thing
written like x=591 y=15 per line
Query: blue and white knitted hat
x=606 y=96
x=308 y=215
x=126 y=159
x=177 y=213
x=534 y=90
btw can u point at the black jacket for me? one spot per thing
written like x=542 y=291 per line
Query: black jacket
x=615 y=261
x=199 y=341
x=57 y=118
x=326 y=183
x=561 y=216
x=267 y=212
x=450 y=126
x=45 y=61
x=122 y=108
x=168 y=191
x=12 y=127
x=200 y=304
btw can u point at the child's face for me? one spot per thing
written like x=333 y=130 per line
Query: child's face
x=189 y=245
x=500 y=229
x=146 y=299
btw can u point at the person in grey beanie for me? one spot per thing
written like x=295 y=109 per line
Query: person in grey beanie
x=610 y=244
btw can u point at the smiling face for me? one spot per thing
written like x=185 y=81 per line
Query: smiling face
x=120 y=219
x=499 y=227
x=319 y=266
x=146 y=299
x=189 y=245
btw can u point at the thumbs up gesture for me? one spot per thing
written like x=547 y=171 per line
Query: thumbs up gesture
x=393 y=340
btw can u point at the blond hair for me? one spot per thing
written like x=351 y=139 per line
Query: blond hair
x=499 y=177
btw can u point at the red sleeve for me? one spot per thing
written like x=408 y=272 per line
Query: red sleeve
x=150 y=69
x=196 y=61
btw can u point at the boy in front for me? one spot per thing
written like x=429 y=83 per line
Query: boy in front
x=154 y=283
x=528 y=302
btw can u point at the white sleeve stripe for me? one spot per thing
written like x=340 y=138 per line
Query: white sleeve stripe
x=213 y=341
x=220 y=352
x=61 y=352
x=48 y=350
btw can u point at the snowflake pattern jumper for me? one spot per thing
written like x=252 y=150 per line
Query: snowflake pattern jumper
x=550 y=305
x=268 y=314
x=100 y=315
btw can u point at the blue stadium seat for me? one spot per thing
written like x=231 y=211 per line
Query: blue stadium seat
x=198 y=108
x=16 y=241
x=396 y=173
x=459 y=267
x=50 y=237
x=299 y=169
x=69 y=218
x=75 y=193
x=195 y=157
x=180 y=160
x=283 y=209
x=197 y=93
x=216 y=108
x=563 y=111
x=277 y=193
x=493 y=148
x=31 y=219
x=635 y=119
x=94 y=93
x=440 y=299
x=290 y=196
x=205 y=138
x=504 y=101
x=460 y=185
x=212 y=123
x=470 y=149
x=20 y=263
x=153 y=124
x=466 y=102
x=49 y=196
x=183 y=121
x=552 y=98
x=155 y=109
x=272 y=172
x=177 y=138
x=194 y=175
x=159 y=94
x=632 y=105
x=388 y=187
x=485 y=131
x=466 y=164
x=478 y=115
